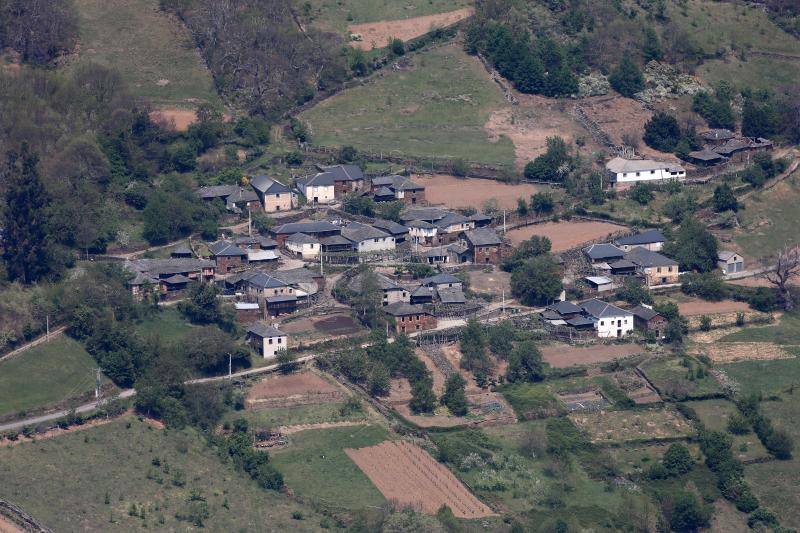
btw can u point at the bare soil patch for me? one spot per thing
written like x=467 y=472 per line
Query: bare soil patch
x=407 y=474
x=700 y=307
x=493 y=282
x=565 y=235
x=728 y=352
x=457 y=193
x=380 y=34
x=7 y=526
x=623 y=426
x=531 y=122
x=303 y=388
x=174 y=118
x=324 y=326
x=563 y=355
x=591 y=400
x=636 y=388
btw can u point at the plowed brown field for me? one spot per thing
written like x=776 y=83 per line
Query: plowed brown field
x=405 y=473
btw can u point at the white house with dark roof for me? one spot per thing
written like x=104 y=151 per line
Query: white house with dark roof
x=623 y=173
x=365 y=238
x=652 y=240
x=609 y=320
x=392 y=292
x=274 y=195
x=422 y=232
x=346 y=178
x=318 y=189
x=303 y=245
x=267 y=340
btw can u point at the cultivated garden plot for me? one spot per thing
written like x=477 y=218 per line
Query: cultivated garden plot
x=313 y=328
x=405 y=473
x=565 y=235
x=608 y=427
x=473 y=192
x=564 y=356
x=292 y=390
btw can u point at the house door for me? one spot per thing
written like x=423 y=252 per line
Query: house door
x=663 y=281
x=316 y=199
x=619 y=333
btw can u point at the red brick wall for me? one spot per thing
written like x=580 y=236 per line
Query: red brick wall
x=226 y=263
x=487 y=255
x=414 y=198
x=424 y=321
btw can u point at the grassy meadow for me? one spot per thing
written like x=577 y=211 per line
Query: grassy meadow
x=764 y=377
x=90 y=480
x=153 y=51
x=339 y=14
x=301 y=414
x=419 y=112
x=764 y=220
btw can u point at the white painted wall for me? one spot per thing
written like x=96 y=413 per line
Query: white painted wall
x=370 y=245
x=607 y=327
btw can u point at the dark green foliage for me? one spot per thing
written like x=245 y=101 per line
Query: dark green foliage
x=651 y=50
x=239 y=447
x=715 y=109
x=724 y=199
x=680 y=206
x=175 y=211
x=642 y=193
x=522 y=207
x=533 y=247
x=542 y=202
x=706 y=285
x=454 y=397
x=359 y=205
x=202 y=306
x=693 y=246
x=262 y=222
x=253 y=131
x=501 y=339
x=398 y=47
x=27 y=248
x=738 y=424
x=687 y=513
x=455 y=447
x=760 y=117
x=379 y=380
x=627 y=79
x=525 y=363
x=564 y=438
x=537 y=281
x=677 y=460
x=423 y=400
x=473 y=348
x=662 y=132
x=207 y=349
x=780 y=444
x=553 y=165
x=40 y=32
x=634 y=292
x=762 y=516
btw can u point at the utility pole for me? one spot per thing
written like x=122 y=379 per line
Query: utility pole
x=230 y=366
x=97 y=383
x=321 y=273
x=249 y=222
x=503 y=308
x=504 y=221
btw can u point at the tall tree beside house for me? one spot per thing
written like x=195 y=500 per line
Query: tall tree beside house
x=27 y=251
x=724 y=199
x=473 y=349
x=553 y=165
x=368 y=300
x=627 y=79
x=693 y=246
x=760 y=117
x=662 y=132
x=537 y=281
x=525 y=363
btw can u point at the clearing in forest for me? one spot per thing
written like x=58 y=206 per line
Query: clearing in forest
x=406 y=473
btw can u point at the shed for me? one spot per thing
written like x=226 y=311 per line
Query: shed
x=730 y=262
x=600 y=283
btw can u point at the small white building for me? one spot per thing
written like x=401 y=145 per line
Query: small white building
x=318 y=189
x=609 y=320
x=600 y=283
x=624 y=173
x=422 y=232
x=267 y=340
x=365 y=238
x=730 y=262
x=303 y=245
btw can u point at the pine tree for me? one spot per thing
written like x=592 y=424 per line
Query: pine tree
x=627 y=79
x=454 y=397
x=26 y=251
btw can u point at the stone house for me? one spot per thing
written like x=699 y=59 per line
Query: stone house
x=647 y=320
x=484 y=245
x=227 y=256
x=652 y=240
x=274 y=195
x=655 y=269
x=409 y=318
x=267 y=340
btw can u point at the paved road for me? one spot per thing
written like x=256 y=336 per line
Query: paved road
x=60 y=414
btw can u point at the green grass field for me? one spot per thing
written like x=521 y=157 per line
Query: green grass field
x=148 y=48
x=786 y=332
x=168 y=324
x=66 y=482
x=775 y=484
x=301 y=414
x=420 y=112
x=46 y=375
x=765 y=377
x=715 y=414
x=338 y=14
x=764 y=220
x=315 y=466
x=671 y=379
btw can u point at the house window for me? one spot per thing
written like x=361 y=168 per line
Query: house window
x=270 y=340
x=602 y=323
x=279 y=340
x=638 y=174
x=658 y=270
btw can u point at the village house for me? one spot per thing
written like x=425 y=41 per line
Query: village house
x=259 y=284
x=652 y=240
x=623 y=173
x=402 y=189
x=409 y=318
x=622 y=267
x=317 y=189
x=705 y=158
x=167 y=275
x=442 y=281
x=484 y=245
x=724 y=145
x=716 y=137
x=392 y=292
x=256 y=242
x=365 y=238
x=655 y=269
x=336 y=243
x=247 y=312
x=268 y=341
x=318 y=229
x=182 y=251
x=742 y=149
x=609 y=320
x=304 y=281
x=303 y=246
x=398 y=231
x=235 y=197
x=730 y=262
x=256 y=257
x=560 y=312
x=274 y=195
x=647 y=320
x=603 y=253
x=600 y=283
x=227 y=256
x=450 y=227
x=422 y=232
x=479 y=220
x=346 y=178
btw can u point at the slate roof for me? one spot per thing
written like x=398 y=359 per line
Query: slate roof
x=358 y=232
x=321 y=179
x=176 y=279
x=720 y=134
x=705 y=155
x=483 y=237
x=440 y=279
x=600 y=309
x=645 y=237
x=335 y=240
x=319 y=226
x=182 y=249
x=564 y=308
x=390 y=226
x=384 y=191
x=451 y=295
x=598 y=280
x=428 y=214
x=260 y=280
x=302 y=238
x=479 y=217
x=396 y=183
x=622 y=263
x=281 y=298
x=580 y=321
x=644 y=258
x=264 y=330
x=598 y=252
x=267 y=185
x=217 y=191
x=384 y=283
x=421 y=291
x=265 y=242
x=343 y=172
x=242 y=195
x=226 y=249
x=450 y=219
x=726 y=255
x=404 y=309
x=645 y=313
x=619 y=164
x=420 y=224
x=295 y=276
x=161 y=267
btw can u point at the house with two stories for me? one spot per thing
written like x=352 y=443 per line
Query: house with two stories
x=652 y=240
x=273 y=195
x=392 y=291
x=317 y=189
x=267 y=340
x=609 y=320
x=167 y=275
x=235 y=197
x=607 y=253
x=346 y=178
x=647 y=320
x=227 y=256
x=484 y=246
x=653 y=267
x=303 y=245
x=316 y=228
x=366 y=238
x=399 y=188
x=409 y=318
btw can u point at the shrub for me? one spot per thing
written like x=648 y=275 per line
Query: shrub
x=738 y=424
x=398 y=47
x=677 y=460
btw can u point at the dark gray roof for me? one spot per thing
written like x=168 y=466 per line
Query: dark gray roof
x=422 y=291
x=265 y=242
x=264 y=330
x=281 y=298
x=343 y=172
x=217 y=191
x=384 y=191
x=621 y=263
x=450 y=219
x=161 y=267
x=384 y=283
x=267 y=185
x=718 y=135
x=242 y=195
x=404 y=309
x=319 y=226
x=420 y=224
x=480 y=217
x=176 y=279
x=260 y=280
x=600 y=309
x=705 y=155
x=549 y=314
x=390 y=226
x=225 y=249
x=321 y=179
x=182 y=249
x=580 y=321
x=451 y=295
x=645 y=313
x=439 y=251
x=335 y=240
x=603 y=251
x=440 y=279
x=428 y=214
x=564 y=308
x=645 y=237
x=483 y=237
x=644 y=258
x=358 y=232
x=294 y=276
x=302 y=238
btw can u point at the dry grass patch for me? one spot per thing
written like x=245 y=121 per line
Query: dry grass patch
x=606 y=427
x=565 y=235
x=380 y=34
x=457 y=193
